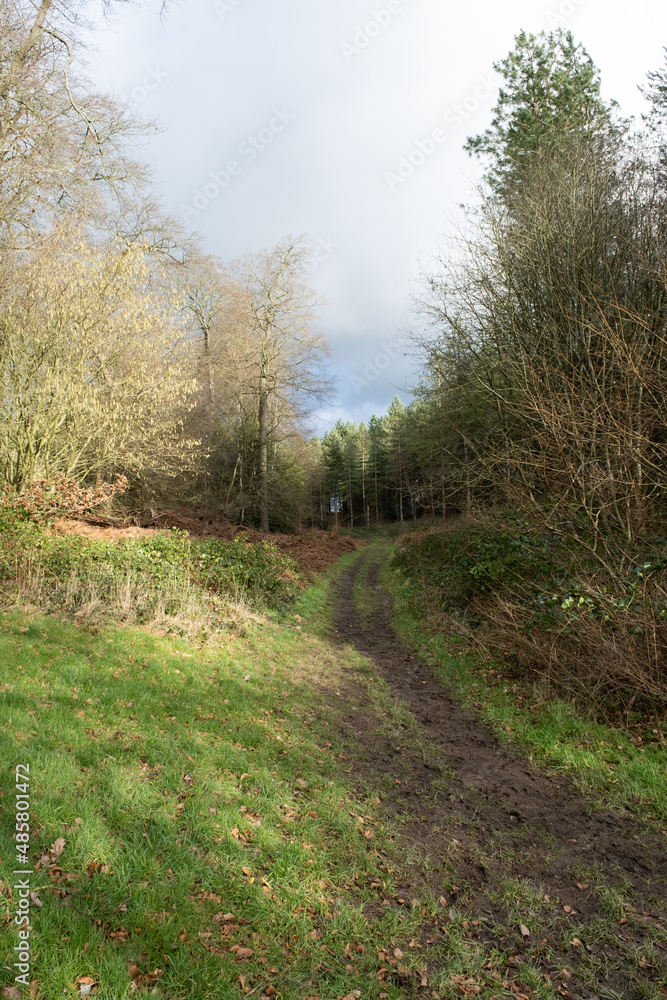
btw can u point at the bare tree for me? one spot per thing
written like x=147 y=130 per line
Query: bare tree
x=286 y=366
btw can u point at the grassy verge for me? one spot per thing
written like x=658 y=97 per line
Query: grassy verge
x=612 y=765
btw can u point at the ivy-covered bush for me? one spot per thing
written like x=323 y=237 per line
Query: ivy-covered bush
x=456 y=565
x=548 y=605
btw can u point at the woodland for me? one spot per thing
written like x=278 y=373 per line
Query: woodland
x=374 y=713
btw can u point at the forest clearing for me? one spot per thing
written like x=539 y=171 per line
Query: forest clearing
x=310 y=690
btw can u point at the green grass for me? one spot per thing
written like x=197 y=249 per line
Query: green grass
x=190 y=784
x=606 y=762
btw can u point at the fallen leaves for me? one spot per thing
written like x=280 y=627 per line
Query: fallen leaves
x=119 y=936
x=352 y=949
x=98 y=868
x=242 y=954
x=143 y=979
x=524 y=930
x=50 y=861
x=468 y=987
x=57 y=848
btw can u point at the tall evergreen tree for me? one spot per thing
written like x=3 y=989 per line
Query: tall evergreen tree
x=551 y=89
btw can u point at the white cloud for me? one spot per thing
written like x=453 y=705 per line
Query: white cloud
x=221 y=72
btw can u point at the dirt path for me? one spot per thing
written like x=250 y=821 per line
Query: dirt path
x=483 y=819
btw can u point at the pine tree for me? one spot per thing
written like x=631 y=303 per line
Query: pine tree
x=551 y=90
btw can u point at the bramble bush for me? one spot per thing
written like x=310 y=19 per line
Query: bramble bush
x=547 y=605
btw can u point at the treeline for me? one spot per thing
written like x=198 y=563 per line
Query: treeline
x=124 y=350
x=541 y=414
x=544 y=369
x=395 y=468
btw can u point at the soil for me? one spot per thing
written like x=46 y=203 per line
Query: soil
x=312 y=550
x=479 y=814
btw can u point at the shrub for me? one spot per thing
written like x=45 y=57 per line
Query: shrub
x=61 y=496
x=463 y=562
x=191 y=585
x=548 y=607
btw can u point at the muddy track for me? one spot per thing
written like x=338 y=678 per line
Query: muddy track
x=476 y=808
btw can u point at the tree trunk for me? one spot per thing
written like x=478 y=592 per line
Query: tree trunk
x=263 y=455
x=468 y=487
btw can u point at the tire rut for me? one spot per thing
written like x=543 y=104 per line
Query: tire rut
x=498 y=815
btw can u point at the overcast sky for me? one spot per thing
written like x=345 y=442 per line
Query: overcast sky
x=318 y=116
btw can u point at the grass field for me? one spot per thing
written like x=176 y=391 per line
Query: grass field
x=197 y=835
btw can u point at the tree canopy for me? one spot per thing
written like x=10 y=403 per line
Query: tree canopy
x=550 y=89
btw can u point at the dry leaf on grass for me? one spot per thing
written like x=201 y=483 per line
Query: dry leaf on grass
x=11 y=992
x=241 y=953
x=469 y=987
x=98 y=868
x=57 y=848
